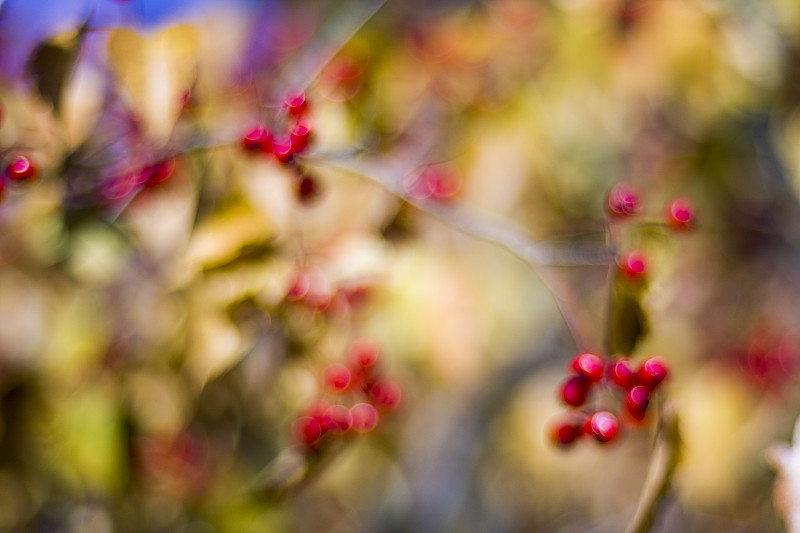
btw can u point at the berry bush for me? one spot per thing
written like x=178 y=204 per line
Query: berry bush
x=381 y=266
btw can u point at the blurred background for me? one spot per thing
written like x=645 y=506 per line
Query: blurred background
x=170 y=300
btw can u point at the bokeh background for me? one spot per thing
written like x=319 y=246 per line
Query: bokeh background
x=151 y=364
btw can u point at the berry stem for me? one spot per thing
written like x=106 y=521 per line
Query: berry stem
x=662 y=466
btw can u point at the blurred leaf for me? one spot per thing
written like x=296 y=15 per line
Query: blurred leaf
x=628 y=321
x=51 y=65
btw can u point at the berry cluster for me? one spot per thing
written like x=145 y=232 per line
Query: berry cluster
x=362 y=394
x=589 y=372
x=624 y=201
x=285 y=146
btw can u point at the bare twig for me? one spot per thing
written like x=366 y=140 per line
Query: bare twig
x=665 y=460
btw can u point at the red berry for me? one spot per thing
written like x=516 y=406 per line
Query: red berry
x=652 y=372
x=307 y=189
x=301 y=284
x=306 y=430
x=386 y=394
x=605 y=426
x=364 y=353
x=157 y=173
x=283 y=150
x=296 y=104
x=636 y=402
x=317 y=410
x=565 y=434
x=298 y=138
x=680 y=214
x=365 y=417
x=633 y=265
x=623 y=201
x=434 y=182
x=337 y=418
x=574 y=391
x=259 y=139
x=336 y=377
x=621 y=373
x=20 y=169
x=589 y=366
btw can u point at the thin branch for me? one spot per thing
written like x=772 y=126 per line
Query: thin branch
x=662 y=467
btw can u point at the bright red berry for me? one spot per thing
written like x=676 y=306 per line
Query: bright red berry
x=337 y=418
x=296 y=104
x=574 y=391
x=636 y=402
x=283 y=150
x=633 y=265
x=589 y=366
x=21 y=169
x=298 y=138
x=605 y=426
x=623 y=201
x=259 y=139
x=306 y=430
x=386 y=394
x=652 y=372
x=680 y=214
x=621 y=373
x=565 y=433
x=365 y=417
x=336 y=377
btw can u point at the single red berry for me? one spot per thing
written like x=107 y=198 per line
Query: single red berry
x=589 y=366
x=605 y=426
x=386 y=394
x=158 y=172
x=623 y=201
x=21 y=169
x=574 y=391
x=636 y=402
x=621 y=373
x=336 y=377
x=299 y=288
x=296 y=104
x=365 y=417
x=565 y=434
x=259 y=139
x=298 y=138
x=680 y=214
x=283 y=150
x=337 y=419
x=652 y=372
x=306 y=430
x=633 y=265
x=364 y=352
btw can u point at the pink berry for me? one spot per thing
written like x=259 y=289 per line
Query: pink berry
x=317 y=410
x=300 y=287
x=636 y=402
x=574 y=391
x=621 y=373
x=296 y=104
x=158 y=173
x=633 y=265
x=365 y=417
x=259 y=139
x=565 y=433
x=623 y=201
x=589 y=366
x=337 y=419
x=652 y=372
x=282 y=149
x=680 y=214
x=20 y=169
x=306 y=430
x=386 y=394
x=336 y=377
x=605 y=426
x=364 y=353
